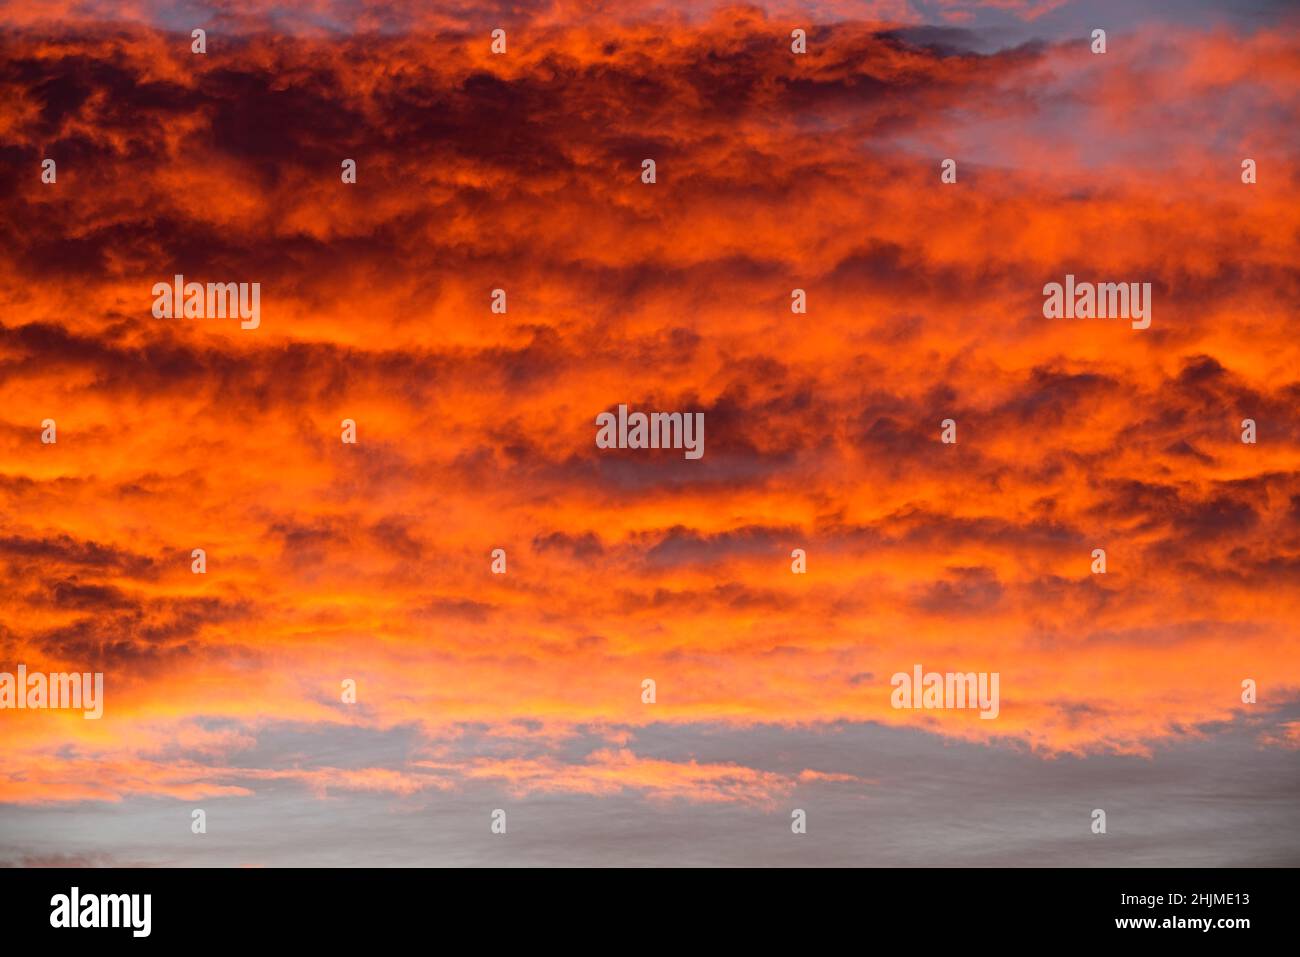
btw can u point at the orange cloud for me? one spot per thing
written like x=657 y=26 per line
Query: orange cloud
x=476 y=431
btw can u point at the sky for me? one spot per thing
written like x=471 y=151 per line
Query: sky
x=372 y=562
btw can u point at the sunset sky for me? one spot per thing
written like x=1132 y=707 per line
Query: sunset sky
x=476 y=431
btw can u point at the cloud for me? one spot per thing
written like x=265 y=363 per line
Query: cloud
x=476 y=431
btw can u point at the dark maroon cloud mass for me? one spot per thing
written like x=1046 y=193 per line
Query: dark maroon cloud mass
x=426 y=589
